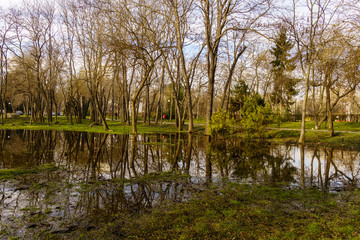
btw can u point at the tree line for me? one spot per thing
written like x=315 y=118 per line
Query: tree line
x=179 y=59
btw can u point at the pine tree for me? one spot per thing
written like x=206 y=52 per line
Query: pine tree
x=283 y=85
x=239 y=94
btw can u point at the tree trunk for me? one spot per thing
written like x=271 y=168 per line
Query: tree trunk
x=303 y=116
x=100 y=112
x=190 y=112
x=133 y=117
x=328 y=109
x=210 y=101
x=160 y=95
x=147 y=113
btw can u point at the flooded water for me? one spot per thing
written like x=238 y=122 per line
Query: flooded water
x=92 y=180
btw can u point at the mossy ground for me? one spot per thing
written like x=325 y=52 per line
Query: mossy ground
x=12 y=173
x=224 y=210
x=237 y=211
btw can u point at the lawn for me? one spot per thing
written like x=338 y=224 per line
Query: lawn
x=338 y=126
x=116 y=127
x=223 y=210
x=236 y=211
x=350 y=140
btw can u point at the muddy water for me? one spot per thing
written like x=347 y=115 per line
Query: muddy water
x=91 y=183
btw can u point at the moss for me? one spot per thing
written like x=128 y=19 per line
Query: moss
x=11 y=173
x=237 y=211
x=225 y=210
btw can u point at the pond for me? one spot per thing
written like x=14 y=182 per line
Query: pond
x=88 y=177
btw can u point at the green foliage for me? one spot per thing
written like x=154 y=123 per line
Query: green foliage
x=281 y=53
x=284 y=85
x=221 y=123
x=11 y=173
x=238 y=211
x=287 y=115
x=277 y=117
x=255 y=116
x=238 y=96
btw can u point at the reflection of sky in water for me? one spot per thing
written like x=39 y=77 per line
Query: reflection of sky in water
x=344 y=165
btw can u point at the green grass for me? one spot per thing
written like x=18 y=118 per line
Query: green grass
x=215 y=211
x=338 y=126
x=340 y=140
x=116 y=127
x=349 y=138
x=346 y=140
x=11 y=173
x=237 y=211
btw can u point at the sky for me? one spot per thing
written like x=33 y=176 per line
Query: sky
x=8 y=3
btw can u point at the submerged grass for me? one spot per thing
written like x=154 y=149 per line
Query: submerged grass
x=224 y=210
x=237 y=211
x=11 y=173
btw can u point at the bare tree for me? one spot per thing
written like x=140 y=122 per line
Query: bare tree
x=309 y=28
x=90 y=24
x=4 y=61
x=178 y=13
x=143 y=34
x=221 y=17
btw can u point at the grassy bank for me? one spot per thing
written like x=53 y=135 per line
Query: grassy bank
x=346 y=140
x=310 y=125
x=286 y=132
x=116 y=127
x=347 y=134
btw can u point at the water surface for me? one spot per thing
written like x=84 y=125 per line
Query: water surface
x=92 y=181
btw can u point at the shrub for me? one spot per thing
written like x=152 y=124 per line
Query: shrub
x=255 y=116
x=221 y=123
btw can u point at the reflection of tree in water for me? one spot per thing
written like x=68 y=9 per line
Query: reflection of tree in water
x=251 y=160
x=102 y=156
x=3 y=136
x=328 y=173
x=75 y=195
x=93 y=183
x=119 y=155
x=97 y=150
x=27 y=149
x=127 y=156
x=160 y=153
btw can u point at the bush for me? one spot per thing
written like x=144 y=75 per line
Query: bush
x=255 y=116
x=221 y=123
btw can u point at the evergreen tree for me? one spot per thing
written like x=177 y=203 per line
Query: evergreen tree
x=283 y=85
x=238 y=96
